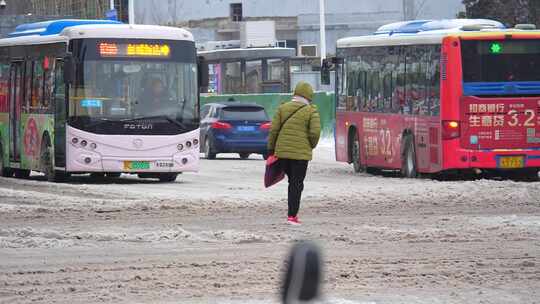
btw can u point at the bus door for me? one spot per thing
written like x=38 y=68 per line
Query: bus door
x=60 y=115
x=15 y=105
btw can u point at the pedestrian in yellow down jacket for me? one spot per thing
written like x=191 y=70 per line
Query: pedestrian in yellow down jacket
x=296 y=129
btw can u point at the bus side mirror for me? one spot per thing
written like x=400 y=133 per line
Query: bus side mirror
x=69 y=69
x=203 y=72
x=304 y=272
x=325 y=72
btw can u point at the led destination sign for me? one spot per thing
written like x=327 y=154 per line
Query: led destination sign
x=126 y=50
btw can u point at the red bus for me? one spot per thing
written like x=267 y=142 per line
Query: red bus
x=427 y=97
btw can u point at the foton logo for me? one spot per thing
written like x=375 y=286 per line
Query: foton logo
x=138 y=126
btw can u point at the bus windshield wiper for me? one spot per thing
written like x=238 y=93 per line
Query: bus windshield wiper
x=169 y=119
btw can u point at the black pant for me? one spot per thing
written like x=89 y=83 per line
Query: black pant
x=296 y=172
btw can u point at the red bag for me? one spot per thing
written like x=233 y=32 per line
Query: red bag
x=274 y=171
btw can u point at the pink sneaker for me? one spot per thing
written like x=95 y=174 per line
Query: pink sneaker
x=293 y=220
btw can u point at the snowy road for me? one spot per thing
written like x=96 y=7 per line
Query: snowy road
x=218 y=236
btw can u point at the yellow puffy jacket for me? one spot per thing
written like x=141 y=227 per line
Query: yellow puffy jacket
x=299 y=135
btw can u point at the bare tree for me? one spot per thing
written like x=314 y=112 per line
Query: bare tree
x=508 y=12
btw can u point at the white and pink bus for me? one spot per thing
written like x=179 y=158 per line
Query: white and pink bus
x=99 y=97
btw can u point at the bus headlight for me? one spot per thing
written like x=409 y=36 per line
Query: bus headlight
x=93 y=146
x=180 y=147
x=74 y=140
x=195 y=142
x=84 y=143
x=188 y=144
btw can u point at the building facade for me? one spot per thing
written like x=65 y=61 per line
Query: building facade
x=83 y=9
x=296 y=21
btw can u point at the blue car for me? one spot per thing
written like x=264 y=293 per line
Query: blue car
x=234 y=127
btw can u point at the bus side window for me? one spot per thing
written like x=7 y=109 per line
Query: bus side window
x=341 y=83
x=434 y=80
x=37 y=86
x=351 y=83
x=4 y=84
x=400 y=88
x=48 y=85
x=387 y=74
x=27 y=88
x=419 y=96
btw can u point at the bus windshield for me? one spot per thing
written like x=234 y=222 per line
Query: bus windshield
x=135 y=96
x=501 y=60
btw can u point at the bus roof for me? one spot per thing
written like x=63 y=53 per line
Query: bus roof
x=53 y=27
x=418 y=26
x=248 y=54
x=427 y=32
x=64 y=30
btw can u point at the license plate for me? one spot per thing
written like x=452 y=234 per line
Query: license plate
x=245 y=128
x=511 y=162
x=163 y=164
x=136 y=165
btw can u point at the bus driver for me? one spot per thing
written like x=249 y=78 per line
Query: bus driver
x=154 y=99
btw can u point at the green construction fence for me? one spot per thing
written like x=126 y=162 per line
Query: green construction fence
x=325 y=103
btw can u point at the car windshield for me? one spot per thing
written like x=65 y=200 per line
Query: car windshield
x=115 y=91
x=244 y=113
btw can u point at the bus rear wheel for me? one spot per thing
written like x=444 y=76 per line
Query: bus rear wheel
x=408 y=163
x=22 y=173
x=526 y=175
x=4 y=171
x=356 y=154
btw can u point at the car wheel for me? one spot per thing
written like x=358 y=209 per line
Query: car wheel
x=408 y=166
x=114 y=174
x=167 y=177
x=208 y=153
x=244 y=155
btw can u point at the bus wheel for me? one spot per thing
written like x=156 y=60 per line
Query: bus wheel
x=408 y=164
x=244 y=155
x=526 y=176
x=4 y=171
x=114 y=174
x=356 y=153
x=167 y=177
x=98 y=176
x=208 y=153
x=47 y=168
x=533 y=176
x=21 y=173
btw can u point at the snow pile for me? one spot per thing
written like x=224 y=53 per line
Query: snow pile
x=236 y=237
x=44 y=238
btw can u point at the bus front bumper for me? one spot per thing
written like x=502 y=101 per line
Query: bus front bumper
x=131 y=154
